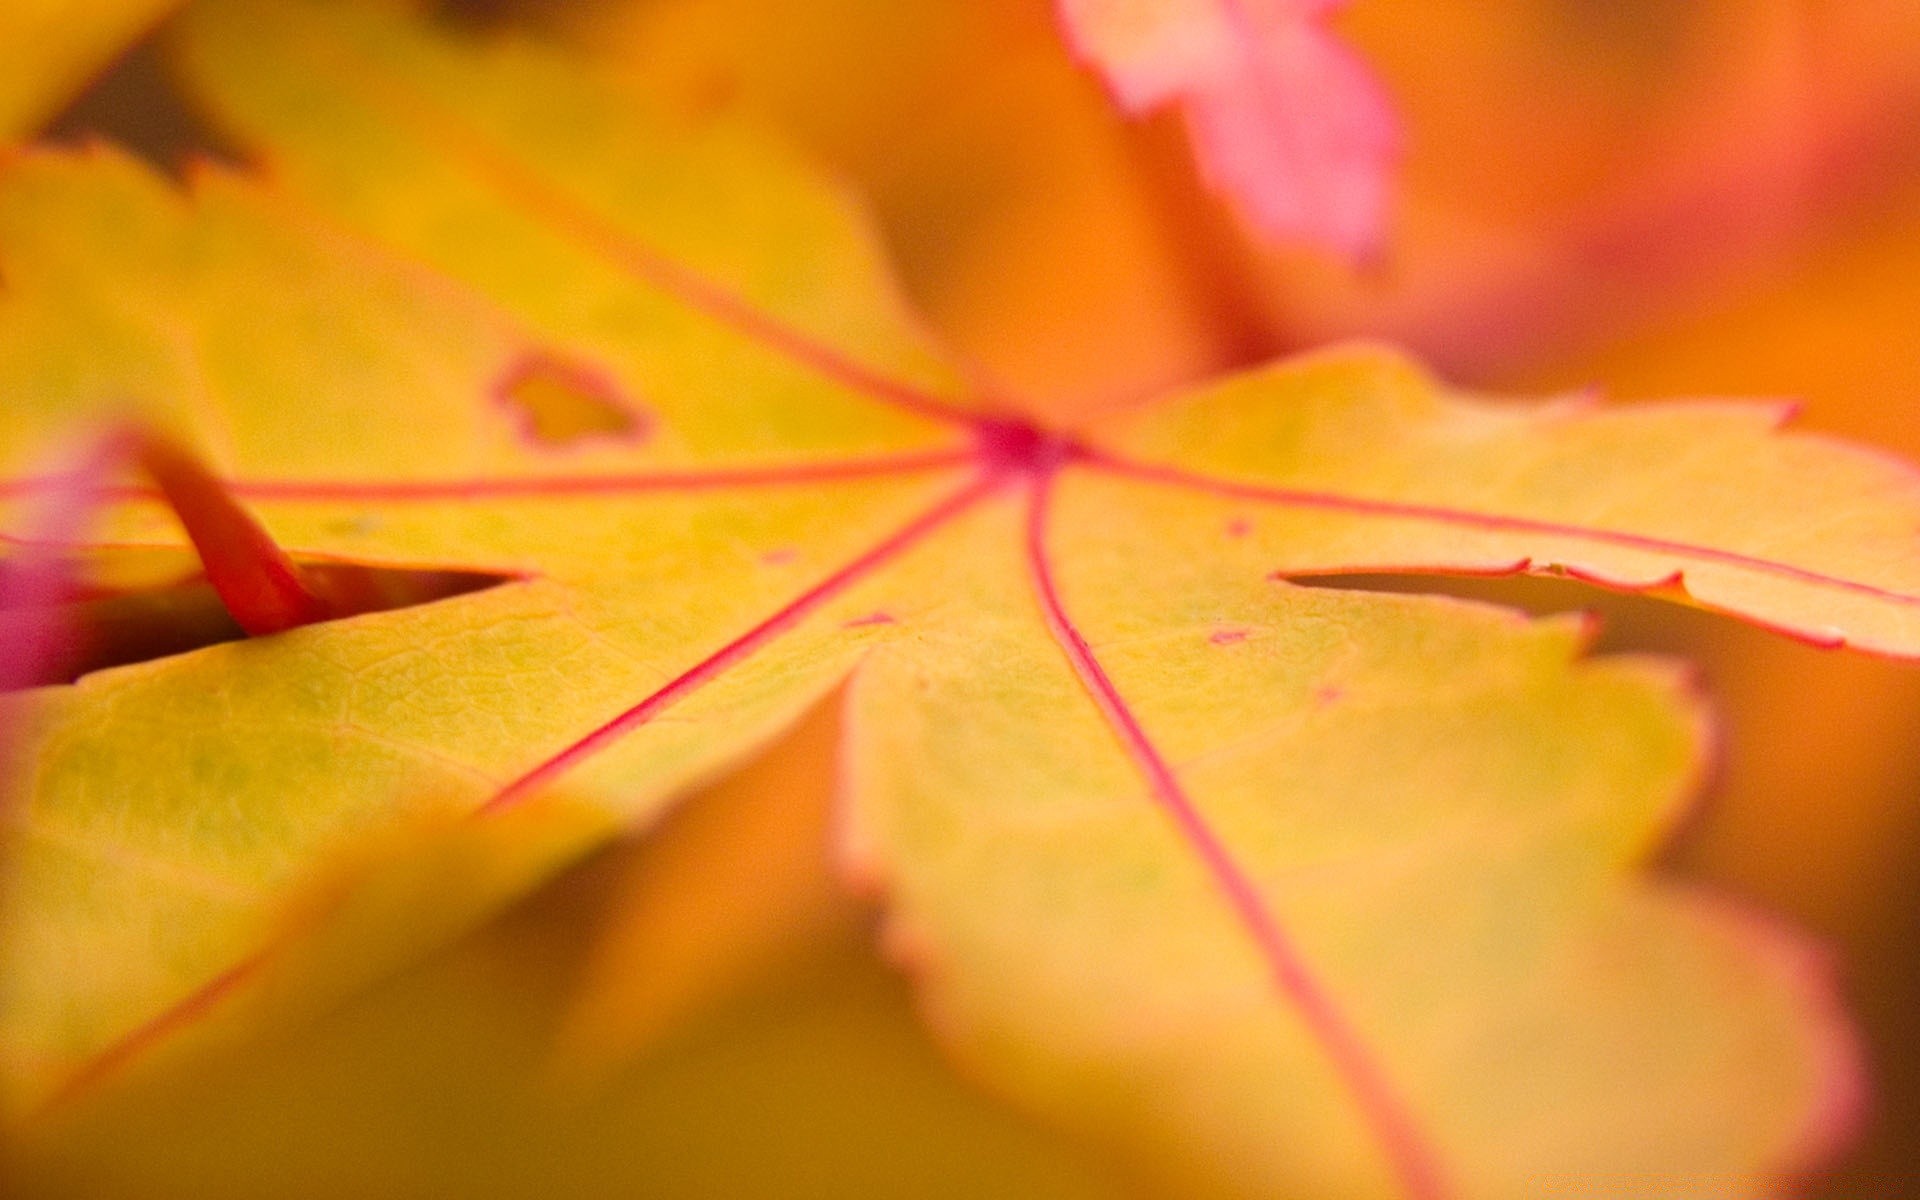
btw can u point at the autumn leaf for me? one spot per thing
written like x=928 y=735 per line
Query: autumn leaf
x=1287 y=888
x=736 y=888
x=1709 y=198
x=1738 y=175
x=50 y=47
x=1286 y=122
x=813 y=1082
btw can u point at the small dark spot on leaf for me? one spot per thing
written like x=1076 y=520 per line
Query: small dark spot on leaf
x=877 y=618
x=559 y=404
x=1239 y=527
x=1227 y=637
x=780 y=556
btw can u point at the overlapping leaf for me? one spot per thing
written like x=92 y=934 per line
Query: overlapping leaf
x=1298 y=890
x=812 y=1083
x=1285 y=121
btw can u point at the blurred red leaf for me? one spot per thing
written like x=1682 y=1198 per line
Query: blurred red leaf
x=1286 y=122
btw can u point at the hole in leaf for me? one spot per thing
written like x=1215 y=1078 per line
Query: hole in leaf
x=104 y=627
x=558 y=404
x=136 y=104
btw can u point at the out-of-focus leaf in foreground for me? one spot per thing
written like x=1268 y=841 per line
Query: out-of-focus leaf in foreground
x=1289 y=889
x=48 y=48
x=811 y=1082
x=1285 y=121
x=739 y=887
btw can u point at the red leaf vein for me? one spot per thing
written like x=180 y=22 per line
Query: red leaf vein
x=403 y=491
x=717 y=663
x=209 y=996
x=497 y=169
x=1414 y=1160
x=1472 y=519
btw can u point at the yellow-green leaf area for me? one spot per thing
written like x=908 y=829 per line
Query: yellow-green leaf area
x=1284 y=889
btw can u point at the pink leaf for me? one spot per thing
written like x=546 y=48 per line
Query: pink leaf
x=1286 y=122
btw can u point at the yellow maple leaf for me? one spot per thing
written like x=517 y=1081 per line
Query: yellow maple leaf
x=1291 y=888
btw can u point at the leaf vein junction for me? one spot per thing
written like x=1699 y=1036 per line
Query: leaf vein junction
x=204 y=999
